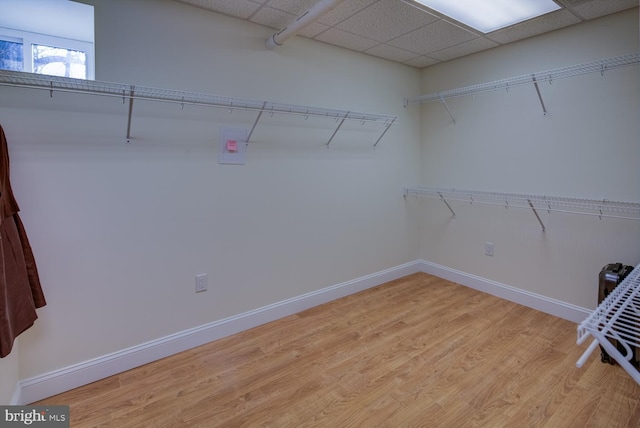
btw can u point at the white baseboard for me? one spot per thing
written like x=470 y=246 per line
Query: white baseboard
x=58 y=381
x=532 y=300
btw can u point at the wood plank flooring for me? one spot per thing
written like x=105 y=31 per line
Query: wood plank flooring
x=416 y=352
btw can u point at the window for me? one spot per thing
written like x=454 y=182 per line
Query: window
x=11 y=57
x=53 y=37
x=59 y=61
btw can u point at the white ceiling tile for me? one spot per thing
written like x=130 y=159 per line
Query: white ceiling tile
x=433 y=37
x=343 y=11
x=312 y=30
x=395 y=30
x=596 y=9
x=297 y=7
x=237 y=8
x=390 y=53
x=465 y=48
x=549 y=22
x=421 y=61
x=272 y=18
x=386 y=20
x=338 y=37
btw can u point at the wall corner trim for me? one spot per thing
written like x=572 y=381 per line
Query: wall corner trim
x=65 y=379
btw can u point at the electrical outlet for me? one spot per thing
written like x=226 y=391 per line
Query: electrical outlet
x=201 y=282
x=488 y=248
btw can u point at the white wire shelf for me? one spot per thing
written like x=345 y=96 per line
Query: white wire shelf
x=135 y=92
x=617 y=317
x=536 y=203
x=534 y=78
x=600 y=66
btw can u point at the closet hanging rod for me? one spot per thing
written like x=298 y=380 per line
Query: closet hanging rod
x=536 y=203
x=541 y=76
x=119 y=90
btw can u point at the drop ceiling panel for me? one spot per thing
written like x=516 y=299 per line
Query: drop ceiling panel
x=433 y=37
x=237 y=8
x=595 y=9
x=313 y=29
x=338 y=37
x=386 y=20
x=344 y=10
x=534 y=27
x=421 y=61
x=397 y=31
x=297 y=7
x=391 y=53
x=272 y=17
x=463 y=49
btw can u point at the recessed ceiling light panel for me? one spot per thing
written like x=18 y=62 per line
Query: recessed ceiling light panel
x=491 y=15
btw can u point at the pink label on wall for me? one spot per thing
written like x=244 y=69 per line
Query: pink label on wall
x=232 y=145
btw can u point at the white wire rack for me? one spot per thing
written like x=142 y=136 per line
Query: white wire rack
x=600 y=66
x=535 y=203
x=618 y=318
x=134 y=92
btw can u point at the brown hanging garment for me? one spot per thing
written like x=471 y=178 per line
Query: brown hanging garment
x=20 y=289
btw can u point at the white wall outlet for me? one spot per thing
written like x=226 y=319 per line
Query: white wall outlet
x=488 y=248
x=202 y=282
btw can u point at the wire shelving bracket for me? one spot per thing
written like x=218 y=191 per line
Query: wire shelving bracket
x=617 y=317
x=131 y=92
x=535 y=203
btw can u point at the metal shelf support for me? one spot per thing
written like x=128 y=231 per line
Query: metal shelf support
x=386 y=128
x=453 y=214
x=533 y=208
x=444 y=103
x=337 y=129
x=131 y=92
x=535 y=84
x=256 y=122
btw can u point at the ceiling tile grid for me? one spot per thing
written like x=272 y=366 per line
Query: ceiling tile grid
x=462 y=49
x=344 y=10
x=596 y=9
x=271 y=17
x=534 y=27
x=386 y=20
x=338 y=37
x=433 y=37
x=401 y=32
x=391 y=53
x=237 y=8
x=421 y=61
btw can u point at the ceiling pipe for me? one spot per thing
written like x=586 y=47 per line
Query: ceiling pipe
x=318 y=9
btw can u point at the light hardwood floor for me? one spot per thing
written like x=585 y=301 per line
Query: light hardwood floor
x=416 y=352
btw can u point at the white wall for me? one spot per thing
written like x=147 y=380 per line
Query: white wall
x=9 y=371
x=49 y=17
x=586 y=146
x=119 y=231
